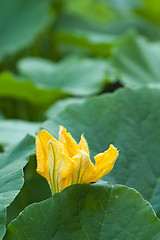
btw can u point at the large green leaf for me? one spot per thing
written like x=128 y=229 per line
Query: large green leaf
x=11 y=175
x=75 y=76
x=20 y=22
x=99 y=211
x=129 y=119
x=138 y=61
x=14 y=130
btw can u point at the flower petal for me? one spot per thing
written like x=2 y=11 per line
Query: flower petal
x=104 y=163
x=60 y=166
x=67 y=140
x=42 y=140
x=83 y=167
x=83 y=145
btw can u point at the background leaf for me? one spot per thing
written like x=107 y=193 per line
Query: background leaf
x=138 y=61
x=75 y=76
x=32 y=101
x=14 y=130
x=97 y=211
x=150 y=11
x=25 y=89
x=21 y=22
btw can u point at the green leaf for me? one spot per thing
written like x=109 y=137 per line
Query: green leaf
x=125 y=4
x=97 y=12
x=137 y=61
x=129 y=119
x=15 y=130
x=75 y=31
x=35 y=189
x=97 y=211
x=26 y=90
x=98 y=39
x=97 y=43
x=61 y=105
x=21 y=22
x=75 y=76
x=150 y=11
x=1 y=116
x=122 y=25
x=11 y=174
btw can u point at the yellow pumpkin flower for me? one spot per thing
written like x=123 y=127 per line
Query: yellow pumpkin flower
x=65 y=162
